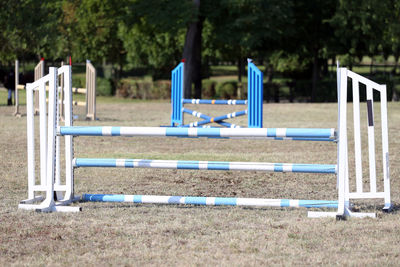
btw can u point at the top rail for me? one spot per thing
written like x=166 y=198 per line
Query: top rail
x=197 y=132
x=214 y=101
x=364 y=80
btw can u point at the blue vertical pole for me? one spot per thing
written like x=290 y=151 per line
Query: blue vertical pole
x=176 y=95
x=254 y=95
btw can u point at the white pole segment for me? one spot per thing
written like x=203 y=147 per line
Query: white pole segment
x=357 y=135
x=30 y=140
x=51 y=147
x=363 y=80
x=57 y=180
x=69 y=154
x=385 y=148
x=43 y=132
x=342 y=143
x=338 y=80
x=16 y=92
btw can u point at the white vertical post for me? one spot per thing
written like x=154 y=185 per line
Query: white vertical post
x=342 y=143
x=68 y=121
x=30 y=140
x=39 y=73
x=16 y=93
x=357 y=135
x=385 y=148
x=90 y=91
x=57 y=180
x=43 y=132
x=338 y=80
x=62 y=94
x=51 y=147
x=371 y=139
x=347 y=180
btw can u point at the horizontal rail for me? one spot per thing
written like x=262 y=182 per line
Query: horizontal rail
x=210 y=201
x=204 y=165
x=364 y=195
x=78 y=103
x=214 y=102
x=79 y=90
x=74 y=90
x=364 y=80
x=74 y=103
x=197 y=132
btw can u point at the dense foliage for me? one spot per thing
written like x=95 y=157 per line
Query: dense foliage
x=293 y=38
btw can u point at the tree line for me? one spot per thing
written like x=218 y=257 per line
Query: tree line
x=294 y=38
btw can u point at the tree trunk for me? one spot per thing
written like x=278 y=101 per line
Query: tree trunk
x=325 y=70
x=396 y=59
x=315 y=76
x=269 y=74
x=395 y=96
x=276 y=92
x=292 y=86
x=241 y=70
x=192 y=55
x=371 y=64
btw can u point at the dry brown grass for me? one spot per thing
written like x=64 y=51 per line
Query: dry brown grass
x=128 y=234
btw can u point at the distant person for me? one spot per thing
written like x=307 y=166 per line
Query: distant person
x=9 y=83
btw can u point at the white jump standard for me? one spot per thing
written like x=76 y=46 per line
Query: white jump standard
x=89 y=91
x=58 y=195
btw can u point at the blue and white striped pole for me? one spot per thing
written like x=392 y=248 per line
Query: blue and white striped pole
x=210 y=201
x=267 y=133
x=205 y=165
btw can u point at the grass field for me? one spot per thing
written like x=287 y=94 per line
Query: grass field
x=128 y=234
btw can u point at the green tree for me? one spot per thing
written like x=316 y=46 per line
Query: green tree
x=312 y=36
x=152 y=33
x=359 y=27
x=89 y=30
x=28 y=29
x=249 y=29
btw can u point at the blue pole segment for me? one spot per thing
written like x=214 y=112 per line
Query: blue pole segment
x=229 y=201
x=212 y=132
x=82 y=130
x=314 y=168
x=304 y=132
x=195 y=200
x=318 y=203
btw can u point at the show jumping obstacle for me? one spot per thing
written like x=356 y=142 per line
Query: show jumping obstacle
x=254 y=101
x=89 y=91
x=58 y=195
